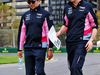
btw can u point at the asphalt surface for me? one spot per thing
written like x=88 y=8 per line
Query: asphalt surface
x=57 y=66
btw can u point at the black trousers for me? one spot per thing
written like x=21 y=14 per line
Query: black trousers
x=34 y=61
x=76 y=58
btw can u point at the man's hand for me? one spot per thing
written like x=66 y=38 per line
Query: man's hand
x=49 y=54
x=89 y=45
x=19 y=53
x=57 y=34
x=62 y=30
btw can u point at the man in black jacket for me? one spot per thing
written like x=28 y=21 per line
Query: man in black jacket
x=80 y=25
x=33 y=30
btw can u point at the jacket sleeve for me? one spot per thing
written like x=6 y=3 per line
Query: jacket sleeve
x=49 y=24
x=92 y=17
x=21 y=34
x=65 y=17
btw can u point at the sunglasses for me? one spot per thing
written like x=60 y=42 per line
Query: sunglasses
x=29 y=2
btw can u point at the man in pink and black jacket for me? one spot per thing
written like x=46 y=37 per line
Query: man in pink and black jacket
x=80 y=25
x=33 y=30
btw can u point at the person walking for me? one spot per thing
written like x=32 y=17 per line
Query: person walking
x=80 y=25
x=34 y=27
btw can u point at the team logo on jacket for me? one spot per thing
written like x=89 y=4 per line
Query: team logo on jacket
x=82 y=8
x=28 y=17
x=70 y=10
x=39 y=15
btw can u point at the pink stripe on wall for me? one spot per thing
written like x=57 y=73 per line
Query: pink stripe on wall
x=45 y=31
x=66 y=19
x=22 y=36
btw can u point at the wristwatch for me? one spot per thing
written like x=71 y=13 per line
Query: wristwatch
x=50 y=49
x=92 y=40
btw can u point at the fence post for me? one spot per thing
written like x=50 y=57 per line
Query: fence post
x=13 y=38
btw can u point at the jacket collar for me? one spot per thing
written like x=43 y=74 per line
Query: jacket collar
x=36 y=9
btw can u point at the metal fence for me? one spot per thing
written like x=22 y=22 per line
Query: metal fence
x=8 y=38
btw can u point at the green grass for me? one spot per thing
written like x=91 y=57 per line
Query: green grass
x=8 y=59
x=11 y=59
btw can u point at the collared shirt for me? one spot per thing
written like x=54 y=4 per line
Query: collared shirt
x=33 y=29
x=80 y=21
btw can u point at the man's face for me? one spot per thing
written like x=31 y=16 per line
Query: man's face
x=72 y=0
x=33 y=4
